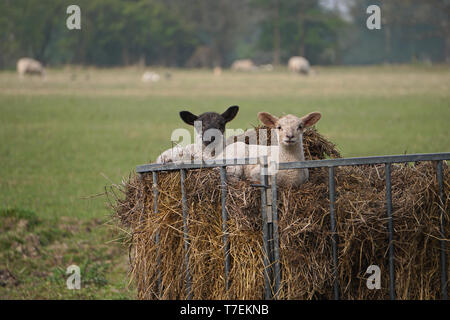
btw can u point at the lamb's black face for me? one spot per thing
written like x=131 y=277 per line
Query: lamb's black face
x=210 y=120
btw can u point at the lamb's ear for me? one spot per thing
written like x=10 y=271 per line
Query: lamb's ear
x=267 y=119
x=230 y=113
x=311 y=118
x=188 y=117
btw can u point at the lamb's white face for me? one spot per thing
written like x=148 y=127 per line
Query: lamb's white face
x=289 y=128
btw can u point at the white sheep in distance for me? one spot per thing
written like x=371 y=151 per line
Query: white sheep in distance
x=299 y=65
x=243 y=65
x=29 y=66
x=289 y=132
x=211 y=122
x=149 y=76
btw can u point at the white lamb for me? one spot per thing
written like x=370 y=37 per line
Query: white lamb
x=289 y=130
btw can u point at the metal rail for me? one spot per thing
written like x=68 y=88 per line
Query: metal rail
x=271 y=255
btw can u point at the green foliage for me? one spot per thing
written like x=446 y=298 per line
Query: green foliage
x=18 y=214
x=113 y=32
x=305 y=28
x=411 y=30
x=33 y=262
x=168 y=32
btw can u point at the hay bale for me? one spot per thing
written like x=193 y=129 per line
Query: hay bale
x=305 y=239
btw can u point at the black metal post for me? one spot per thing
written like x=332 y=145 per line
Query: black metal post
x=444 y=295
x=276 y=238
x=226 y=244
x=155 y=211
x=265 y=230
x=332 y=191
x=390 y=232
x=188 y=278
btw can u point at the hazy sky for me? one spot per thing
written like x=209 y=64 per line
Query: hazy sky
x=340 y=5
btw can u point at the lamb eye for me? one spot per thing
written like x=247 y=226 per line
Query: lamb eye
x=300 y=127
x=279 y=127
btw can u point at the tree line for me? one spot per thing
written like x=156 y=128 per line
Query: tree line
x=206 y=33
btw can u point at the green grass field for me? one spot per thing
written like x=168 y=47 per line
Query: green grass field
x=64 y=139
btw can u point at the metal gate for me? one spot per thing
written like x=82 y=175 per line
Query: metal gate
x=269 y=212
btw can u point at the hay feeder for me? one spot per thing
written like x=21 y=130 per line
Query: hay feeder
x=195 y=235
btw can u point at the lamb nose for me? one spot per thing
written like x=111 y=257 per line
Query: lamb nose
x=290 y=137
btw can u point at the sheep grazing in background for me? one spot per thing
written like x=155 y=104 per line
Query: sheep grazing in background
x=289 y=131
x=243 y=65
x=211 y=123
x=149 y=76
x=299 y=65
x=30 y=66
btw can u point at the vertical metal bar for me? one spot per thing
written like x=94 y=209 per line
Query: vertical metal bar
x=444 y=295
x=390 y=232
x=141 y=205
x=269 y=221
x=332 y=192
x=155 y=211
x=188 y=278
x=276 y=238
x=267 y=282
x=226 y=244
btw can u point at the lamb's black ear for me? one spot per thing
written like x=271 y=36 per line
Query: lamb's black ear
x=230 y=113
x=188 y=117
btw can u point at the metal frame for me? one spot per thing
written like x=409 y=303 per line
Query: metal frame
x=269 y=213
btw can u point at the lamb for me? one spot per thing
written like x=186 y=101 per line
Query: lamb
x=212 y=125
x=299 y=65
x=29 y=66
x=289 y=132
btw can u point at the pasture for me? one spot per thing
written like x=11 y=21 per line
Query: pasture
x=64 y=139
